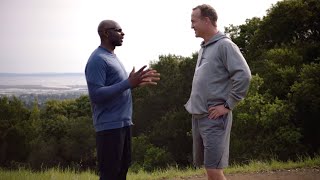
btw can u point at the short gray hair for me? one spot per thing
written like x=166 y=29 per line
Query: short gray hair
x=208 y=11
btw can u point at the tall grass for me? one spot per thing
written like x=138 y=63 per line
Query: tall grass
x=169 y=173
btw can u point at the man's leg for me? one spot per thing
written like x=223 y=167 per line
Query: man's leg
x=109 y=153
x=216 y=139
x=215 y=174
x=126 y=156
x=197 y=145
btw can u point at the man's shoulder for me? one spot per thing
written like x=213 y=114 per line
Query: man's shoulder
x=96 y=61
x=222 y=43
x=100 y=57
x=225 y=41
x=227 y=44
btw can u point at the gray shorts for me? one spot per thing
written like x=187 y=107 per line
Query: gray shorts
x=211 y=139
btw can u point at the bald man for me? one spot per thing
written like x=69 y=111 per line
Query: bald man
x=109 y=89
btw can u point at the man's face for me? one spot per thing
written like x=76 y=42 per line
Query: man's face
x=115 y=35
x=198 y=24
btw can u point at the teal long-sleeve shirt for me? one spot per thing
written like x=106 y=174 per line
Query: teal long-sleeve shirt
x=109 y=91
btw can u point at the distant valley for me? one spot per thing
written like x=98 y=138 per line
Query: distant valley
x=42 y=86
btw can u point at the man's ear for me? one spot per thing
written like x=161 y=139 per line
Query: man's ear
x=208 y=20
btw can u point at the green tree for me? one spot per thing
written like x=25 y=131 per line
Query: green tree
x=305 y=96
x=174 y=133
x=159 y=111
x=280 y=70
x=262 y=128
x=78 y=144
x=242 y=35
x=14 y=130
x=64 y=125
x=147 y=156
x=289 y=22
x=151 y=103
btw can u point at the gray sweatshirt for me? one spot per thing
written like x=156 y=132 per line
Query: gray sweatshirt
x=221 y=75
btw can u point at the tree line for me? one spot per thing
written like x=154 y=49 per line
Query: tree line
x=278 y=119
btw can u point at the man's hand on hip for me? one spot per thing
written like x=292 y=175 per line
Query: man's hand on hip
x=217 y=111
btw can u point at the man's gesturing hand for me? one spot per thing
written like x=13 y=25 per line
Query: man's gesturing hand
x=143 y=77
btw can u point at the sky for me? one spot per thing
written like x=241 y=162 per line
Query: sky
x=39 y=36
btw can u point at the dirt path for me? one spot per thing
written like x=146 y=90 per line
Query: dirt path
x=293 y=174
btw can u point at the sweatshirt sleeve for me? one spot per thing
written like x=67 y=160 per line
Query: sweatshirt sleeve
x=96 y=76
x=239 y=73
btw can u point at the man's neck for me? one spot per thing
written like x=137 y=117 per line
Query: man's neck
x=210 y=34
x=108 y=47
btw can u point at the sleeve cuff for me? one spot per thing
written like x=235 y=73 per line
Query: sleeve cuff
x=126 y=84
x=232 y=103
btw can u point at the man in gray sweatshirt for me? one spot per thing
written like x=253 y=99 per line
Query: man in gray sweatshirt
x=220 y=81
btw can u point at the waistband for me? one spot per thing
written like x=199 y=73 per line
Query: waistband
x=199 y=116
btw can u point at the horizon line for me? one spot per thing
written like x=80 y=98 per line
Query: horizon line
x=41 y=72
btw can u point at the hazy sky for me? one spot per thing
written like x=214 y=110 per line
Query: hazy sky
x=59 y=35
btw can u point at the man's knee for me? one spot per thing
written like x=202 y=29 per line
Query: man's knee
x=215 y=174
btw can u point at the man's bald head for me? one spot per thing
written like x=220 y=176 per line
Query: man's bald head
x=110 y=33
x=105 y=24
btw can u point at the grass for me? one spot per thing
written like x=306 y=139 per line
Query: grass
x=169 y=173
x=53 y=174
x=258 y=166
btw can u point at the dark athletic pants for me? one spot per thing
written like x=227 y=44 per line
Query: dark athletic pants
x=114 y=153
